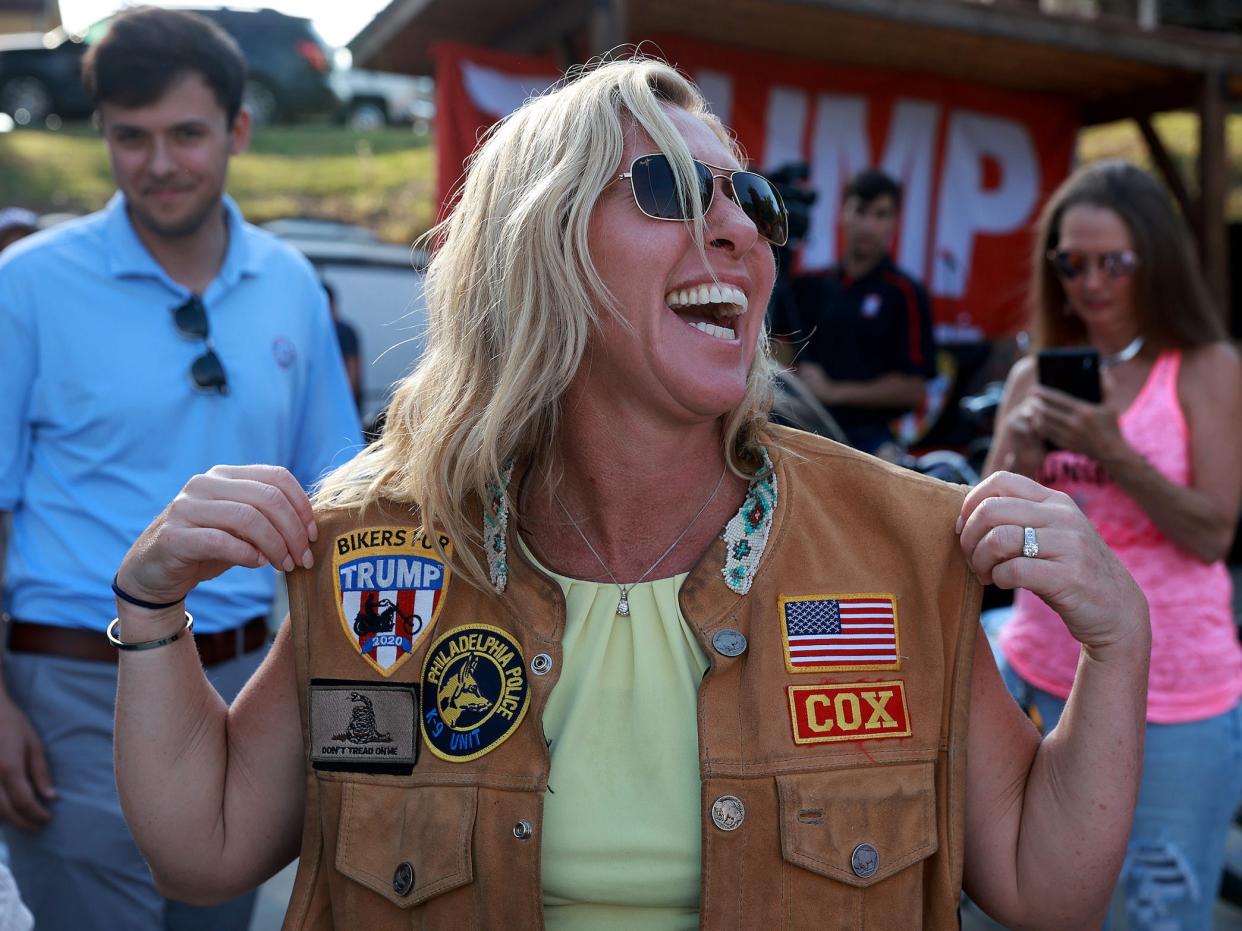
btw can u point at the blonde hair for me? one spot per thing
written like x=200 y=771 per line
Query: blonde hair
x=511 y=300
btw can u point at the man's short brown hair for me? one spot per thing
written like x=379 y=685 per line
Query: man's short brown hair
x=147 y=49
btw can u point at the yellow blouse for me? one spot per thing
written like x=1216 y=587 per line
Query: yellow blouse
x=621 y=817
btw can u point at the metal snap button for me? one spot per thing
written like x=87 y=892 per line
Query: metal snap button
x=864 y=861
x=523 y=830
x=728 y=812
x=541 y=664
x=729 y=642
x=403 y=878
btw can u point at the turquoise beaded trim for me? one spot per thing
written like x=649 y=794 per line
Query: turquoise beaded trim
x=746 y=535
x=496 y=528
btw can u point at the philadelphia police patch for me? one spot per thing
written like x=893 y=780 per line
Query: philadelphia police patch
x=474 y=690
x=390 y=585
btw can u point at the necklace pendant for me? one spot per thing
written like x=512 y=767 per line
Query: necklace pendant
x=623 y=605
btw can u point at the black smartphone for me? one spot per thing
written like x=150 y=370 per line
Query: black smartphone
x=1075 y=371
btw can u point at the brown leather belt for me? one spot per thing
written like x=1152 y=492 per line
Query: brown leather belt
x=78 y=643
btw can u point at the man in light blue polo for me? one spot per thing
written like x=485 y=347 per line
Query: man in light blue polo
x=139 y=346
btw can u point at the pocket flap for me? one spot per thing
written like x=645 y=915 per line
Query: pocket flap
x=859 y=826
x=407 y=844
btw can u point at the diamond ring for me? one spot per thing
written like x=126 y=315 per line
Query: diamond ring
x=1030 y=546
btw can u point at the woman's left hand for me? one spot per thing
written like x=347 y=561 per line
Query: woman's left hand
x=1078 y=426
x=1074 y=572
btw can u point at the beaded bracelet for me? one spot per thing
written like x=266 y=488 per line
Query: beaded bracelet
x=116 y=641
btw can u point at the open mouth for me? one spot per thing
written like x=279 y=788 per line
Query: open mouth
x=709 y=308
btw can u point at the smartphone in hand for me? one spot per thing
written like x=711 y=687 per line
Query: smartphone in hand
x=1076 y=371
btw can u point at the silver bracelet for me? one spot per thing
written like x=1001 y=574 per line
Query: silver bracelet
x=116 y=641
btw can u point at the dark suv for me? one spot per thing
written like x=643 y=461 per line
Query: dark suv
x=289 y=68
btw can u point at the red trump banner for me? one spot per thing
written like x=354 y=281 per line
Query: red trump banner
x=976 y=164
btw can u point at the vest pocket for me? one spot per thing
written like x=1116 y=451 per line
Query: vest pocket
x=407 y=845
x=866 y=829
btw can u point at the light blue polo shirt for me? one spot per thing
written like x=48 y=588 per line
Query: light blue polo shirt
x=101 y=426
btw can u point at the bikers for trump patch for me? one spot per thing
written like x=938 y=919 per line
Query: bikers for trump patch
x=390 y=585
x=474 y=690
x=363 y=727
x=838 y=633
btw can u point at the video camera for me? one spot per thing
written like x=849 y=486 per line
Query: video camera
x=790 y=180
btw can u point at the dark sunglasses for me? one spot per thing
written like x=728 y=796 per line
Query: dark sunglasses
x=655 y=191
x=207 y=371
x=1070 y=264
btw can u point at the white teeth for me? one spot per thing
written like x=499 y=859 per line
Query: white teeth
x=720 y=332
x=726 y=295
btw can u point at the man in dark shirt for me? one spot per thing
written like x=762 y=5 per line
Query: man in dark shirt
x=870 y=352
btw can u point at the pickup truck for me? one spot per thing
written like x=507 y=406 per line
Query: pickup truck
x=373 y=99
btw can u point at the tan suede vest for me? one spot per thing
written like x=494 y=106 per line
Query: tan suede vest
x=832 y=787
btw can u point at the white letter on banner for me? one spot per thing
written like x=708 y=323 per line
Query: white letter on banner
x=908 y=156
x=784 y=124
x=965 y=207
x=839 y=149
x=717 y=89
x=499 y=93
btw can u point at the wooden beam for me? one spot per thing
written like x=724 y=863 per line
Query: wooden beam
x=1182 y=94
x=1213 y=186
x=1191 y=50
x=1168 y=170
x=546 y=28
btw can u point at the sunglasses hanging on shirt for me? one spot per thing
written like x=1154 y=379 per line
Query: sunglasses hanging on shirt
x=655 y=192
x=207 y=371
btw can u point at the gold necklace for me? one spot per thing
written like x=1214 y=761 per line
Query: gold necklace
x=623 y=603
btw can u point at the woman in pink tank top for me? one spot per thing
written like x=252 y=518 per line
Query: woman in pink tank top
x=1157 y=467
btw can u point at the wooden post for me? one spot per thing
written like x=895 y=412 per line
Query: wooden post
x=1168 y=170
x=608 y=26
x=1213 y=185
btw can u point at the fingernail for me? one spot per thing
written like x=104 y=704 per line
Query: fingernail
x=288 y=563
x=957 y=527
x=312 y=531
x=262 y=561
x=308 y=560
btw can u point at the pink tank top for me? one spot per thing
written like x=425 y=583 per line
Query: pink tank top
x=1196 y=662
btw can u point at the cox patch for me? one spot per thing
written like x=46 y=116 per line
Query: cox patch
x=474 y=690
x=390 y=585
x=850 y=711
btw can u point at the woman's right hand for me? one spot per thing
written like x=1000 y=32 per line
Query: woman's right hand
x=229 y=516
x=1017 y=445
x=1023 y=443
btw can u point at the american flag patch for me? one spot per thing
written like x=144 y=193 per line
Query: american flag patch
x=837 y=633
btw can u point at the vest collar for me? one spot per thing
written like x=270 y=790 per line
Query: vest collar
x=745 y=536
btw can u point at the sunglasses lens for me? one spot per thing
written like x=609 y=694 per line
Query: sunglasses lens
x=208 y=373
x=191 y=319
x=761 y=202
x=655 y=188
x=1119 y=264
x=1069 y=265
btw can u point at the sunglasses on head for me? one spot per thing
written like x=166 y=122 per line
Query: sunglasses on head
x=655 y=192
x=207 y=371
x=1069 y=264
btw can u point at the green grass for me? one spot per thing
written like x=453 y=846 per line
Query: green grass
x=384 y=180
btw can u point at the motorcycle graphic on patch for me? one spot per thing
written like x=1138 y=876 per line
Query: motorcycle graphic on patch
x=390 y=584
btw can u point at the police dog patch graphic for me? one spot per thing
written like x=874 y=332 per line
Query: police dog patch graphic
x=390 y=584
x=475 y=692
